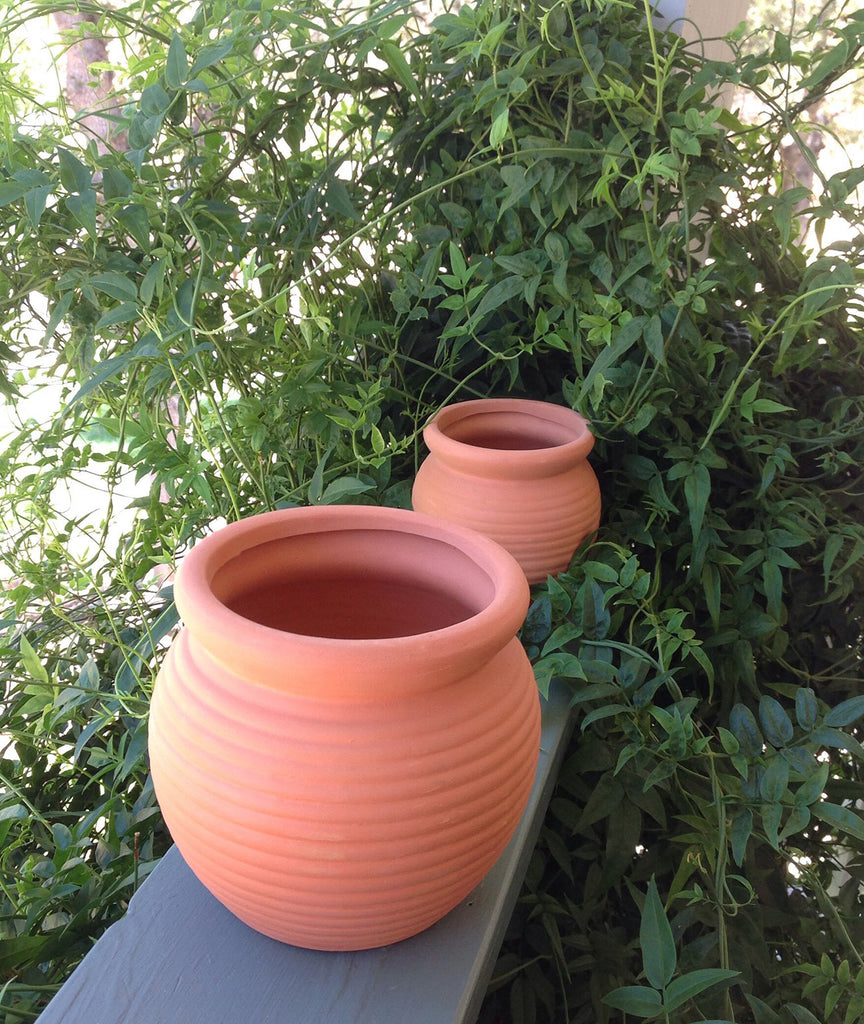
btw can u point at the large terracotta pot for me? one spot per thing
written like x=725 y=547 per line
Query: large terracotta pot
x=516 y=471
x=345 y=733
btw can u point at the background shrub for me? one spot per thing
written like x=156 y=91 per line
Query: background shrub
x=316 y=227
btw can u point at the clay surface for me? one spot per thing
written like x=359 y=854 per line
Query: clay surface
x=516 y=471
x=345 y=733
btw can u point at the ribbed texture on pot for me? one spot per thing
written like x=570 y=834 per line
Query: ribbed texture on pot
x=347 y=825
x=540 y=523
x=345 y=733
x=539 y=502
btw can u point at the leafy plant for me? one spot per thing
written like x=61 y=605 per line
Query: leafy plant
x=327 y=223
x=664 y=993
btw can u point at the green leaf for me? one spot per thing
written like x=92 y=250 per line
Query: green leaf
x=729 y=741
x=776 y=724
x=494 y=36
x=121 y=314
x=846 y=712
x=855 y=1010
x=457 y=262
x=806 y=710
x=57 y=314
x=595 y=616
x=210 y=55
x=345 y=487
x=653 y=335
x=684 y=142
x=697 y=490
x=767 y=405
x=22 y=949
x=558 y=665
x=664 y=770
x=600 y=571
x=176 y=66
x=743 y=725
x=762 y=1012
x=608 y=711
x=62 y=836
x=659 y=958
x=771 y=814
x=538 y=622
x=555 y=247
x=29 y=659
x=611 y=354
x=339 y=200
x=498 y=294
x=115 y=285
x=833 y=546
x=518 y=185
x=83 y=209
x=711 y=589
x=799 y=759
x=798 y=820
x=636 y=999
x=391 y=26
x=10 y=191
x=595 y=691
x=500 y=125
x=831 y=62
x=74 y=176
x=115 y=184
x=775 y=780
x=811 y=790
x=32 y=178
x=155 y=101
x=772 y=581
x=800 y=1014
x=105 y=370
x=143 y=131
x=840 y=818
x=14 y=812
x=395 y=60
x=152 y=281
x=837 y=739
x=739 y=833
x=601 y=267
x=457 y=215
x=691 y=984
x=562 y=636
x=35 y=201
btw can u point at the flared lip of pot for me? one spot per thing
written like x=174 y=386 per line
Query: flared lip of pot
x=337 y=668
x=521 y=463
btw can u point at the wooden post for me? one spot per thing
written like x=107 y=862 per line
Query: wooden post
x=711 y=19
x=708 y=19
x=703 y=23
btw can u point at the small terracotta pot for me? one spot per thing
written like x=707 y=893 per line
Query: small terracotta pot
x=516 y=471
x=345 y=733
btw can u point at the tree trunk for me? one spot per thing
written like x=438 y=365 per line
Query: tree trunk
x=89 y=94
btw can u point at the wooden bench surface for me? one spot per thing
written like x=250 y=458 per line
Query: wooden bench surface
x=179 y=957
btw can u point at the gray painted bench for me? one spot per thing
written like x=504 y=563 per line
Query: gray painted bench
x=178 y=957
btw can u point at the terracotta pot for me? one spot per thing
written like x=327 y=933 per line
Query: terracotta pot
x=345 y=733
x=516 y=471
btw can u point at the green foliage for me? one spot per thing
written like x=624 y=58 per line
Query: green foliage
x=326 y=224
x=662 y=995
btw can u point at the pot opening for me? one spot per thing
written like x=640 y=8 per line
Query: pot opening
x=508 y=431
x=354 y=584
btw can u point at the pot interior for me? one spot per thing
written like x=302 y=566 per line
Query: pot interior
x=354 y=584
x=508 y=431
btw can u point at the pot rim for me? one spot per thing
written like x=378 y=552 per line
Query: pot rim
x=526 y=461
x=250 y=649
